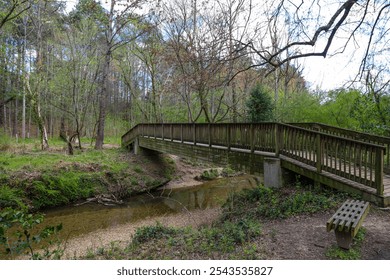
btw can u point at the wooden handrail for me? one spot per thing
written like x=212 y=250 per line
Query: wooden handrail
x=352 y=159
x=348 y=133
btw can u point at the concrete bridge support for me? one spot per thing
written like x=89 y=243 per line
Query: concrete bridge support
x=136 y=147
x=272 y=173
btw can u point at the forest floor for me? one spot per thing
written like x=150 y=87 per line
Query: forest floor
x=305 y=237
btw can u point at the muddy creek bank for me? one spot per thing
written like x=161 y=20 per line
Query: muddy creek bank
x=87 y=218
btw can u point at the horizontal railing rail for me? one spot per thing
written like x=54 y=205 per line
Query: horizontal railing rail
x=352 y=134
x=355 y=160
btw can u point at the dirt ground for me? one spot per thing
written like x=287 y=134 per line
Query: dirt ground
x=305 y=237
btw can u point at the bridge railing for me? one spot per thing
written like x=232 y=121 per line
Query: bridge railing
x=355 y=160
x=352 y=134
x=130 y=135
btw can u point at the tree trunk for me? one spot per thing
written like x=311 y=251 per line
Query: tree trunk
x=105 y=80
x=103 y=103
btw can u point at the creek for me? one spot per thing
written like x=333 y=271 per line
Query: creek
x=84 y=219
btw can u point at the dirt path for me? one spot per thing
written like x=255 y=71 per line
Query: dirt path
x=185 y=174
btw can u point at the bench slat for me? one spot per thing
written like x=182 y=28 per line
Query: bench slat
x=348 y=217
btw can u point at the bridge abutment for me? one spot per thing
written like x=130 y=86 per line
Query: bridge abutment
x=136 y=147
x=272 y=173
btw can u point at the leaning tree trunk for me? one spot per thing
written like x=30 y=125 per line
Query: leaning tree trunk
x=37 y=115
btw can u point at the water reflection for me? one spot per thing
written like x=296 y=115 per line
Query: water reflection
x=86 y=218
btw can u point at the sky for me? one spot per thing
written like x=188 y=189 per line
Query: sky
x=327 y=73
x=330 y=72
x=336 y=70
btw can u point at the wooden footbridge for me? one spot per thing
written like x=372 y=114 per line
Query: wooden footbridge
x=343 y=159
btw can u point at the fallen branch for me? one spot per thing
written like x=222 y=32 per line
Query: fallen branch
x=104 y=199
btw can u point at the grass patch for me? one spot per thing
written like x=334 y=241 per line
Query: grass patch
x=278 y=203
x=262 y=202
x=10 y=197
x=47 y=160
x=147 y=233
x=209 y=174
x=354 y=253
x=46 y=179
x=159 y=241
x=5 y=142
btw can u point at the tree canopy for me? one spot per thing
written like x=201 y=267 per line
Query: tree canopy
x=96 y=70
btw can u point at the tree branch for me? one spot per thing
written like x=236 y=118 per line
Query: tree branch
x=346 y=7
x=10 y=14
x=364 y=61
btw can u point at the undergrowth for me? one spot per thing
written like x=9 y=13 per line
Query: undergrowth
x=39 y=180
x=262 y=202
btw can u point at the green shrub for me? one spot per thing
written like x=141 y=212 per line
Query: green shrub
x=147 y=233
x=209 y=174
x=5 y=142
x=53 y=190
x=43 y=196
x=138 y=169
x=276 y=203
x=226 y=236
x=10 y=197
x=16 y=234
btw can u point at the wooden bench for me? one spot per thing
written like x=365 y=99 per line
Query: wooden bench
x=347 y=221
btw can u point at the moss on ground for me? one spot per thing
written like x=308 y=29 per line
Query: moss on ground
x=38 y=179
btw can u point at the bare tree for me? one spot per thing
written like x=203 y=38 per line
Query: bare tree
x=35 y=87
x=323 y=28
x=114 y=22
x=201 y=49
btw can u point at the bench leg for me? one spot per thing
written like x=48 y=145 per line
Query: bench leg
x=344 y=239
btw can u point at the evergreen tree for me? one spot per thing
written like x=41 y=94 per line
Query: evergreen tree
x=259 y=106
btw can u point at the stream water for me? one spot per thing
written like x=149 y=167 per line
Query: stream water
x=78 y=220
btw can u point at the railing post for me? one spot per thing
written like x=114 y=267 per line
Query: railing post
x=318 y=153
x=162 y=131
x=379 y=171
x=277 y=140
x=194 y=135
x=228 y=136
x=252 y=138
x=209 y=129
x=154 y=131
x=181 y=133
x=171 y=132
